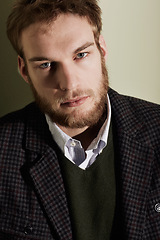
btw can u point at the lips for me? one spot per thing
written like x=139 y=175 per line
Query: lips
x=74 y=102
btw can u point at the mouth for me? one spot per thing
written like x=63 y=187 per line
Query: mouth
x=76 y=102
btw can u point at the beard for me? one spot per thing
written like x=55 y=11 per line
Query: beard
x=76 y=118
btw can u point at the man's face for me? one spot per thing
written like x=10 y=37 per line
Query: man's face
x=64 y=68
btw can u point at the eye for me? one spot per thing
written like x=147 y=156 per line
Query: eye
x=81 y=55
x=45 y=65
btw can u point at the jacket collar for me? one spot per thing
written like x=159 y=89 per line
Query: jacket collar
x=124 y=114
x=134 y=157
x=38 y=136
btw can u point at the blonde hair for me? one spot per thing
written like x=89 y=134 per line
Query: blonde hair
x=26 y=12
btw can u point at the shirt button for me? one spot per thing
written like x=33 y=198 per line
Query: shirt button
x=28 y=230
x=100 y=151
x=73 y=144
x=157 y=207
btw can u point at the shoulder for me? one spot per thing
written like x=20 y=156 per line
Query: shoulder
x=134 y=107
x=13 y=124
x=18 y=116
x=136 y=117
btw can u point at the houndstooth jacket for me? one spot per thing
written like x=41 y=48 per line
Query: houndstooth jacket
x=33 y=203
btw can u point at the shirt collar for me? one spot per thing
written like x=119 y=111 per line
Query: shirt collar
x=62 y=138
x=103 y=133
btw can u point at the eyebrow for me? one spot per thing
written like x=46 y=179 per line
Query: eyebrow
x=86 y=45
x=83 y=47
x=38 y=59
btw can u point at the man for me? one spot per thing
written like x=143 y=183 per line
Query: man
x=82 y=162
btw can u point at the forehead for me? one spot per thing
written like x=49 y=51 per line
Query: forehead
x=67 y=31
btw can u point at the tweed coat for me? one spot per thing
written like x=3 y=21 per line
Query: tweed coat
x=33 y=203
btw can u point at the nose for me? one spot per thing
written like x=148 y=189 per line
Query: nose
x=66 y=76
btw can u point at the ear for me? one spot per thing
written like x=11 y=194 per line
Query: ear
x=22 y=69
x=103 y=46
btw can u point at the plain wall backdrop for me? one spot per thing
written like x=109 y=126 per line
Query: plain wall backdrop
x=132 y=33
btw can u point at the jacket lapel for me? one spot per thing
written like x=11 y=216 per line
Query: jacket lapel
x=48 y=183
x=46 y=175
x=135 y=177
x=134 y=160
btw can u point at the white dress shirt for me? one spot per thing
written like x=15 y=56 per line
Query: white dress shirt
x=73 y=149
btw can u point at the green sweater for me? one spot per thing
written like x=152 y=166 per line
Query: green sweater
x=91 y=195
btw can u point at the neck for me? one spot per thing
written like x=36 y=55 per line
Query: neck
x=85 y=135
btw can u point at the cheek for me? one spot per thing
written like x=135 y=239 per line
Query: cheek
x=96 y=76
x=41 y=82
x=93 y=73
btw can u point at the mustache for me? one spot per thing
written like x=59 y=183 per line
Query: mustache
x=72 y=95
